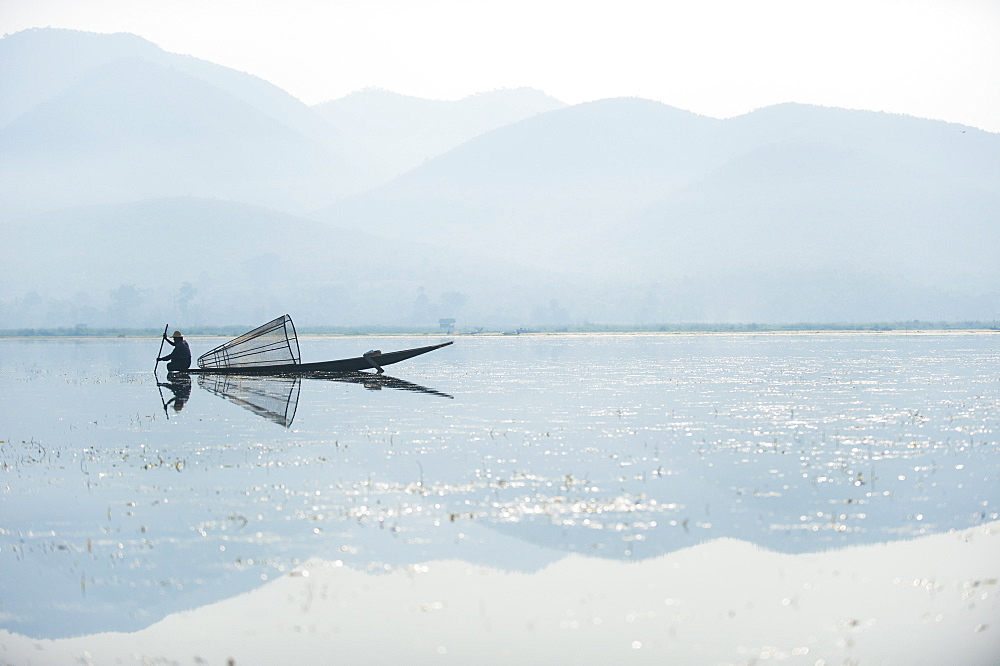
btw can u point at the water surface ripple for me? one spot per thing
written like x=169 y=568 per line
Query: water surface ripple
x=124 y=501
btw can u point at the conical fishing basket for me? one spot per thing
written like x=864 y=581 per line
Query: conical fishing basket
x=274 y=343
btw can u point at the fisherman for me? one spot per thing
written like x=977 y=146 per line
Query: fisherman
x=179 y=360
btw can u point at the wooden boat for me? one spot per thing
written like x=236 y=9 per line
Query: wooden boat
x=273 y=349
x=366 y=362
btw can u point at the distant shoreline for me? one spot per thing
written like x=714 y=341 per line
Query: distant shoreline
x=233 y=330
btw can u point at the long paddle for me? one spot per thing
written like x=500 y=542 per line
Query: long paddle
x=162 y=401
x=157 y=365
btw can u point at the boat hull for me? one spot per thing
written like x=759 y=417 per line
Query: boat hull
x=341 y=365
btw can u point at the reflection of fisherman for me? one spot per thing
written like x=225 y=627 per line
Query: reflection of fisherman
x=180 y=386
x=179 y=359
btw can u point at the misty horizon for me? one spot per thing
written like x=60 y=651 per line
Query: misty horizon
x=504 y=209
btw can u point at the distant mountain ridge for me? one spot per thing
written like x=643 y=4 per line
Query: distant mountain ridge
x=804 y=211
x=505 y=208
x=405 y=131
x=605 y=166
x=193 y=129
x=37 y=65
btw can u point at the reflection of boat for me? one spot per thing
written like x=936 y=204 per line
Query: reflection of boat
x=273 y=349
x=374 y=382
x=276 y=397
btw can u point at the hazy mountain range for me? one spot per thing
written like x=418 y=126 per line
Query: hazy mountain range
x=139 y=186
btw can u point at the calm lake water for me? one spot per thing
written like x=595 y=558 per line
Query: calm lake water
x=536 y=486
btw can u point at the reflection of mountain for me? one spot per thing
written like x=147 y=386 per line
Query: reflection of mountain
x=847 y=603
x=220 y=537
x=276 y=397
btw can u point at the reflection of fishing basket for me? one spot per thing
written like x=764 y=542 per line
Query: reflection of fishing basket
x=274 y=398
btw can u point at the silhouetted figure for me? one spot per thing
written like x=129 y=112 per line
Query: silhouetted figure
x=179 y=359
x=180 y=385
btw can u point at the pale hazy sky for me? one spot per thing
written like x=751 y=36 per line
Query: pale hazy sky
x=931 y=58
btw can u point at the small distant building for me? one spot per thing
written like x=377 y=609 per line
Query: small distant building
x=447 y=324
